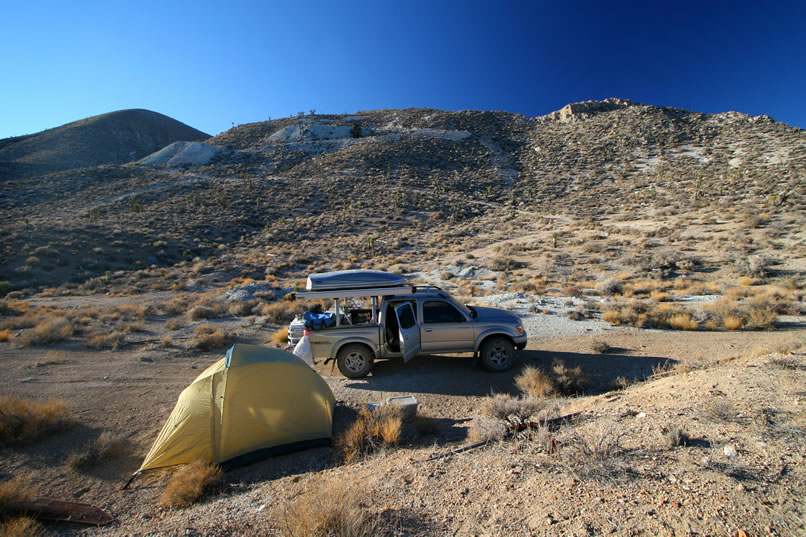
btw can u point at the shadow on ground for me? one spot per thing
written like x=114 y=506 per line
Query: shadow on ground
x=462 y=376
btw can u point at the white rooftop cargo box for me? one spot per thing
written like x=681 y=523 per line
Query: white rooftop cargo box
x=352 y=279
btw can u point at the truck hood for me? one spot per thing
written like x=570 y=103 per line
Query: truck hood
x=495 y=315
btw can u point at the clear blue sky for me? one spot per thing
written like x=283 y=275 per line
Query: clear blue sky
x=212 y=64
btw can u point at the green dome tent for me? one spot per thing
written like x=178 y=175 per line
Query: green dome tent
x=254 y=403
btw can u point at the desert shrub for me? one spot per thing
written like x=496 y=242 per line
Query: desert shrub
x=282 y=311
x=682 y=321
x=280 y=337
x=13 y=493
x=207 y=336
x=487 y=429
x=206 y=310
x=5 y=287
x=105 y=340
x=505 y=407
x=620 y=383
x=21 y=526
x=600 y=347
x=106 y=446
x=610 y=287
x=612 y=316
x=22 y=420
x=5 y=335
x=504 y=263
x=732 y=322
x=598 y=455
x=658 y=296
x=175 y=306
x=175 y=324
x=50 y=330
x=569 y=381
x=372 y=430
x=189 y=484
x=533 y=382
x=674 y=436
x=243 y=308
x=333 y=508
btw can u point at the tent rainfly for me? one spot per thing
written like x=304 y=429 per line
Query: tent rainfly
x=254 y=403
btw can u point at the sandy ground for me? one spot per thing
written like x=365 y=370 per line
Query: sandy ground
x=131 y=391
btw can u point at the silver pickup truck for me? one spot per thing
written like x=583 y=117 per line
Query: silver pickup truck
x=397 y=320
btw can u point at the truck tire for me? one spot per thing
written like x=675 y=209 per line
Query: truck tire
x=497 y=354
x=355 y=360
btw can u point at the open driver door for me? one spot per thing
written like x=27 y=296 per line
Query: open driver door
x=409 y=332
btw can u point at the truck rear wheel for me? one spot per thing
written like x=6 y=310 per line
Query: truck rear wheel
x=355 y=360
x=497 y=354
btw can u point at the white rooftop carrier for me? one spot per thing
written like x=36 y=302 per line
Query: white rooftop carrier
x=348 y=284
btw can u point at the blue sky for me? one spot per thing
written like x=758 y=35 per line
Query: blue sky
x=212 y=64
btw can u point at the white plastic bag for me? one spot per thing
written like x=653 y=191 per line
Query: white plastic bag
x=303 y=350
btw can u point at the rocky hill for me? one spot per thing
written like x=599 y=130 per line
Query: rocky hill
x=113 y=138
x=392 y=174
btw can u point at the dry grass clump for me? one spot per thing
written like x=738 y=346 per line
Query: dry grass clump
x=282 y=311
x=610 y=287
x=206 y=309
x=22 y=420
x=569 y=381
x=674 y=436
x=682 y=321
x=505 y=407
x=175 y=306
x=280 y=337
x=13 y=494
x=242 y=308
x=207 y=336
x=5 y=335
x=21 y=526
x=189 y=484
x=659 y=296
x=372 y=430
x=105 y=340
x=106 y=446
x=533 y=382
x=50 y=330
x=598 y=455
x=334 y=508
x=600 y=347
x=487 y=429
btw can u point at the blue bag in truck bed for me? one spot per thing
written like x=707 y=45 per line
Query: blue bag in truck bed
x=317 y=321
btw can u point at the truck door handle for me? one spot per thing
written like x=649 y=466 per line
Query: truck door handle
x=428 y=330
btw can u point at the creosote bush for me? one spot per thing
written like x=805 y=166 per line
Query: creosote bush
x=372 y=430
x=23 y=420
x=189 y=484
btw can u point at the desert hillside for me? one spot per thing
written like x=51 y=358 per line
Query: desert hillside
x=656 y=258
x=113 y=138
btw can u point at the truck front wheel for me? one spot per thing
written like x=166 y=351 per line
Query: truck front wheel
x=497 y=354
x=355 y=360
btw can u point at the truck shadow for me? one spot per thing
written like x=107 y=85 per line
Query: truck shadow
x=462 y=376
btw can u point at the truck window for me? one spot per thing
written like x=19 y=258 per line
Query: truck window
x=441 y=312
x=407 y=318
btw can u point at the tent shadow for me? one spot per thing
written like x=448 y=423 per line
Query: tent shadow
x=461 y=376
